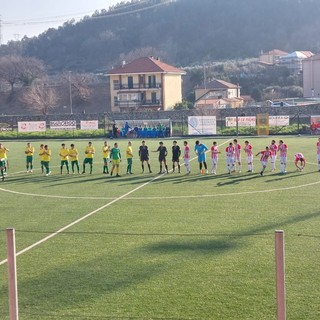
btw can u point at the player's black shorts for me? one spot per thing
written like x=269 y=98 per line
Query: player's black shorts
x=144 y=158
x=162 y=159
x=175 y=159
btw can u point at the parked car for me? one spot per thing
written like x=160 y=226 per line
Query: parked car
x=280 y=104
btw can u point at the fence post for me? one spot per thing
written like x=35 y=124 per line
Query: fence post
x=12 y=275
x=280 y=275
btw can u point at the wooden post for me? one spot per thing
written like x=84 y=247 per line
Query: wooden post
x=280 y=275
x=12 y=275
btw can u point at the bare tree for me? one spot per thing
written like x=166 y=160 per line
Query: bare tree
x=9 y=70
x=79 y=83
x=42 y=98
x=16 y=69
x=30 y=70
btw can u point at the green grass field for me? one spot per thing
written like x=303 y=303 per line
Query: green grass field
x=171 y=246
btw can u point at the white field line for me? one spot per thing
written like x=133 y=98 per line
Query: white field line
x=85 y=217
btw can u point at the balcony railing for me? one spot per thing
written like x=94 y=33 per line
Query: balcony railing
x=137 y=103
x=136 y=86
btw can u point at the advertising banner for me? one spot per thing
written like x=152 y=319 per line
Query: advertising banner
x=63 y=125
x=32 y=126
x=202 y=125
x=89 y=125
x=275 y=121
x=242 y=121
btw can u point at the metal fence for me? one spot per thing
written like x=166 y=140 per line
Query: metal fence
x=301 y=120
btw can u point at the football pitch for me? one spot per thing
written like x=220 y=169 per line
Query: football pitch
x=161 y=246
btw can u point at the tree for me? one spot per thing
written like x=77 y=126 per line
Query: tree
x=20 y=70
x=42 y=98
x=184 y=105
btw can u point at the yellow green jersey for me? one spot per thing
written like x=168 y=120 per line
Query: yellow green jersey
x=46 y=155
x=41 y=154
x=3 y=152
x=106 y=152
x=129 y=152
x=64 y=153
x=73 y=154
x=89 y=152
x=29 y=151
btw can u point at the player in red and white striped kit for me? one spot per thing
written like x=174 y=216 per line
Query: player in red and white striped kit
x=230 y=157
x=265 y=155
x=186 y=156
x=237 y=155
x=283 y=150
x=318 y=153
x=249 y=154
x=214 y=157
x=299 y=157
x=273 y=149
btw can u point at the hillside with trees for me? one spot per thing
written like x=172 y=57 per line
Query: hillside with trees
x=182 y=32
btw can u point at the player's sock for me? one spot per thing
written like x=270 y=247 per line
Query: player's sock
x=167 y=169
x=179 y=168
x=239 y=167
x=173 y=168
x=142 y=166
x=205 y=165
x=90 y=168
x=149 y=168
x=160 y=168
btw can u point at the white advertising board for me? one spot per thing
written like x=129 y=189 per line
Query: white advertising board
x=63 y=125
x=275 y=121
x=202 y=125
x=242 y=121
x=32 y=126
x=89 y=125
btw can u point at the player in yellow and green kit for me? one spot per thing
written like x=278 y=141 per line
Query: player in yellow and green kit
x=89 y=152
x=46 y=159
x=105 y=157
x=64 y=157
x=129 y=156
x=74 y=158
x=3 y=156
x=115 y=155
x=2 y=167
x=41 y=154
x=29 y=151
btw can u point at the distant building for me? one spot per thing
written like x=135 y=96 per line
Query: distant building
x=145 y=83
x=311 y=77
x=271 y=57
x=293 y=61
x=218 y=94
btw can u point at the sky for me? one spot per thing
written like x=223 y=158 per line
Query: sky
x=30 y=18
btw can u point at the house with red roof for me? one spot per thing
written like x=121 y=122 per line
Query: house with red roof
x=146 y=83
x=271 y=57
x=218 y=94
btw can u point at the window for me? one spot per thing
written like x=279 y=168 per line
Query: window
x=116 y=85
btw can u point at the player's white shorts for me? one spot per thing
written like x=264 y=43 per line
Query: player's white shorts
x=250 y=159
x=264 y=163
x=283 y=159
x=237 y=158
x=214 y=161
x=230 y=160
x=273 y=158
x=186 y=161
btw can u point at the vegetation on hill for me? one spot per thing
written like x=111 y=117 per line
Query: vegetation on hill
x=184 y=31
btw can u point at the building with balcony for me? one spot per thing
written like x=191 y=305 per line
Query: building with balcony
x=145 y=84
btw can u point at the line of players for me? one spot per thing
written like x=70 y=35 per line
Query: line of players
x=233 y=156
x=113 y=155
